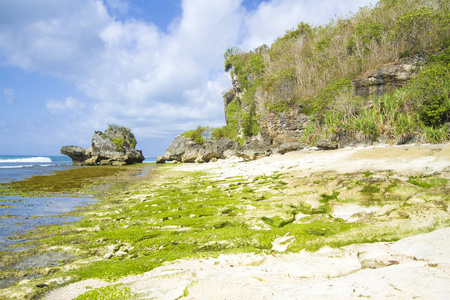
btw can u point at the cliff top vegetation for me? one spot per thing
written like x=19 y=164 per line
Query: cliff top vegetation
x=311 y=68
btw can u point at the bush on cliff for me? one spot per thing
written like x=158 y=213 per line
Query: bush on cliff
x=198 y=135
x=121 y=136
x=312 y=68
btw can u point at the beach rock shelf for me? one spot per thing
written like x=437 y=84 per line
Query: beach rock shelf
x=115 y=146
x=187 y=151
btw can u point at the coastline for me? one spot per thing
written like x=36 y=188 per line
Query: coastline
x=222 y=219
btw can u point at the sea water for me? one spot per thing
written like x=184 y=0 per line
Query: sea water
x=20 y=214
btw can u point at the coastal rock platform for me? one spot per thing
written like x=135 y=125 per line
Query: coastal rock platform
x=413 y=267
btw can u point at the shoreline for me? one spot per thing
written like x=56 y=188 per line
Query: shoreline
x=231 y=215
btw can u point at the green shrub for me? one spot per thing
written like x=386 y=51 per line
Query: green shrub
x=365 y=33
x=226 y=131
x=126 y=140
x=326 y=96
x=404 y=123
x=303 y=30
x=198 y=135
x=120 y=143
x=436 y=135
x=428 y=93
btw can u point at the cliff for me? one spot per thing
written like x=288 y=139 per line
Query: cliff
x=379 y=76
x=354 y=81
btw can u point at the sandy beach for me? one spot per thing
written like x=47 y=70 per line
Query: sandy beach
x=416 y=267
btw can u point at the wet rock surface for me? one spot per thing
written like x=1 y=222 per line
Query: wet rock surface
x=45 y=260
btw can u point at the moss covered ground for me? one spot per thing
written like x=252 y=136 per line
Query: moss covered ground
x=142 y=222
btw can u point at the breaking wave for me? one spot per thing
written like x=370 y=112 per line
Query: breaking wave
x=38 y=159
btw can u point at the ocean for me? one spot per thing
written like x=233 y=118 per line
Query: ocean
x=19 y=214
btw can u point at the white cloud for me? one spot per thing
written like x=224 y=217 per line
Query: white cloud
x=273 y=18
x=118 y=5
x=133 y=73
x=68 y=105
x=9 y=94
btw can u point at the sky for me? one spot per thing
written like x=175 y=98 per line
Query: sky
x=71 y=67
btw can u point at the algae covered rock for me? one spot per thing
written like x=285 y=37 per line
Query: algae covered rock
x=115 y=146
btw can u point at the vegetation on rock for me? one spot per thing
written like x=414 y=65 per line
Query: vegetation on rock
x=312 y=68
x=125 y=139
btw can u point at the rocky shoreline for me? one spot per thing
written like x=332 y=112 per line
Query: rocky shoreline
x=280 y=226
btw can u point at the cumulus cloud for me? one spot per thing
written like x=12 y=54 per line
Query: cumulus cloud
x=68 y=105
x=273 y=18
x=9 y=94
x=156 y=82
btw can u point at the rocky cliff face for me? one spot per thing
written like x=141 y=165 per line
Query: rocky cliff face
x=284 y=127
x=387 y=77
x=287 y=126
x=115 y=146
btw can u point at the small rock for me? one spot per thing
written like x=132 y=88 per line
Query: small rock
x=289 y=147
x=121 y=253
x=108 y=256
x=281 y=244
x=384 y=210
x=325 y=145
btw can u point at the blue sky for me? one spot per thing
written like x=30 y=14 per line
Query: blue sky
x=70 y=67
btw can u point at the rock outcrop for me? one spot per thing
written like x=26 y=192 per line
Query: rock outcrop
x=387 y=77
x=186 y=150
x=116 y=146
x=285 y=125
x=326 y=145
x=281 y=131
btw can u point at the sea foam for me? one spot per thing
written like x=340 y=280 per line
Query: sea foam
x=38 y=159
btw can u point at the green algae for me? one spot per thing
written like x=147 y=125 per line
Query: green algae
x=112 y=292
x=169 y=215
x=60 y=182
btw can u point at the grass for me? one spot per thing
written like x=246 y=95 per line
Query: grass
x=138 y=226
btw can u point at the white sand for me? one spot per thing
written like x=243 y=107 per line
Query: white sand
x=413 y=268
x=405 y=160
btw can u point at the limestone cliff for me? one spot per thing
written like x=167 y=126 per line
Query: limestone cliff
x=287 y=125
x=324 y=83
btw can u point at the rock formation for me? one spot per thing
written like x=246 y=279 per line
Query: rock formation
x=387 y=77
x=186 y=150
x=281 y=132
x=115 y=146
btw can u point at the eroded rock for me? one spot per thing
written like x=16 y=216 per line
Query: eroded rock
x=115 y=146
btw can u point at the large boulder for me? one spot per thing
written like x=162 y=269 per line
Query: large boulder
x=253 y=149
x=115 y=146
x=353 y=139
x=187 y=151
x=289 y=147
x=176 y=149
x=326 y=145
